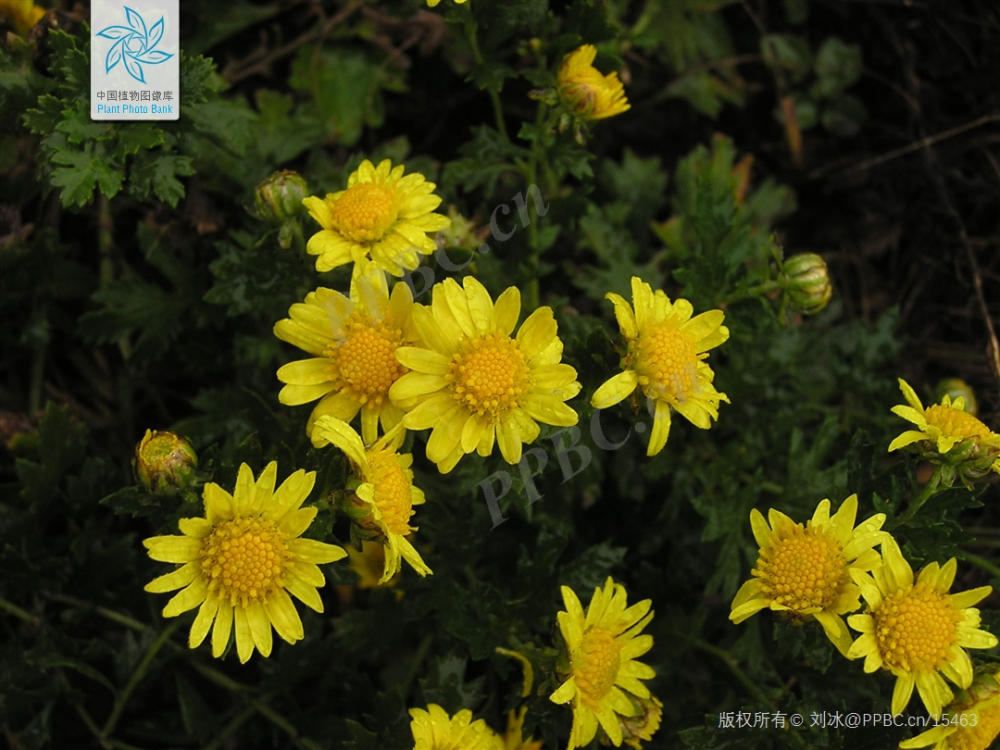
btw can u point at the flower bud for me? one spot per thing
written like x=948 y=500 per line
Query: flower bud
x=807 y=283
x=279 y=198
x=956 y=388
x=164 y=463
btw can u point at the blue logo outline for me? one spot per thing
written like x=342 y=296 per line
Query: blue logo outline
x=124 y=36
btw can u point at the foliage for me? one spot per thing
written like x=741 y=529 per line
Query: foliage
x=140 y=290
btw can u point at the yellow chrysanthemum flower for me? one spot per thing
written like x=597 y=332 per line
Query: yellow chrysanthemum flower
x=433 y=729
x=643 y=724
x=240 y=562
x=665 y=358
x=585 y=92
x=602 y=645
x=973 y=722
x=353 y=342
x=805 y=570
x=386 y=494
x=382 y=216
x=475 y=383
x=917 y=630
x=948 y=433
x=369 y=564
x=22 y=14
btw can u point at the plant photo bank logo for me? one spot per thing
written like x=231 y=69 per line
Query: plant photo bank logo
x=135 y=60
x=134 y=45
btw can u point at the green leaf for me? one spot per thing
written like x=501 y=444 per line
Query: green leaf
x=787 y=52
x=838 y=67
x=156 y=171
x=445 y=685
x=83 y=171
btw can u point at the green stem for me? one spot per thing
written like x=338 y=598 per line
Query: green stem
x=470 y=35
x=230 y=729
x=418 y=659
x=13 y=609
x=929 y=490
x=981 y=562
x=136 y=678
x=730 y=661
x=754 y=292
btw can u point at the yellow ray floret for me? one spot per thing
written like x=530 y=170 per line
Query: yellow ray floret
x=916 y=629
x=241 y=561
x=382 y=217
x=943 y=427
x=665 y=359
x=433 y=729
x=353 y=342
x=805 y=571
x=585 y=91
x=386 y=491
x=973 y=721
x=475 y=383
x=602 y=644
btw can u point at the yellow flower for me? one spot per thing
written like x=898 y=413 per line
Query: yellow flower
x=22 y=14
x=948 y=433
x=805 y=570
x=433 y=3
x=474 y=383
x=382 y=216
x=585 y=92
x=603 y=644
x=353 y=343
x=917 y=630
x=240 y=562
x=666 y=349
x=385 y=496
x=973 y=721
x=433 y=729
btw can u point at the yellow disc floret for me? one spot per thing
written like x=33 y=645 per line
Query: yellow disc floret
x=666 y=363
x=802 y=570
x=366 y=360
x=364 y=212
x=956 y=422
x=915 y=628
x=393 y=490
x=244 y=559
x=980 y=735
x=596 y=664
x=489 y=374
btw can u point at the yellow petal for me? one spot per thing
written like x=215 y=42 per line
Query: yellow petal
x=661 y=429
x=203 y=621
x=187 y=599
x=244 y=640
x=614 y=390
x=313 y=551
x=223 y=628
x=342 y=435
x=506 y=311
x=537 y=332
x=282 y=615
x=173 y=549
x=260 y=628
x=175 y=580
x=624 y=316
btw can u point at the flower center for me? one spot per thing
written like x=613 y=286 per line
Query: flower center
x=977 y=737
x=393 y=491
x=803 y=570
x=916 y=628
x=595 y=664
x=666 y=363
x=956 y=422
x=244 y=559
x=365 y=212
x=489 y=374
x=366 y=360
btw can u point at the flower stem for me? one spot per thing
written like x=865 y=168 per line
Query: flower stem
x=136 y=678
x=981 y=562
x=470 y=35
x=929 y=490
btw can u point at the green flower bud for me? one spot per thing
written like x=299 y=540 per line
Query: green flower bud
x=806 y=282
x=956 y=388
x=164 y=463
x=279 y=198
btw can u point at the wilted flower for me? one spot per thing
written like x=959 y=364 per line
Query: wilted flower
x=164 y=462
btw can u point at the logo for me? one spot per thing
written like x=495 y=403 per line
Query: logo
x=135 y=45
